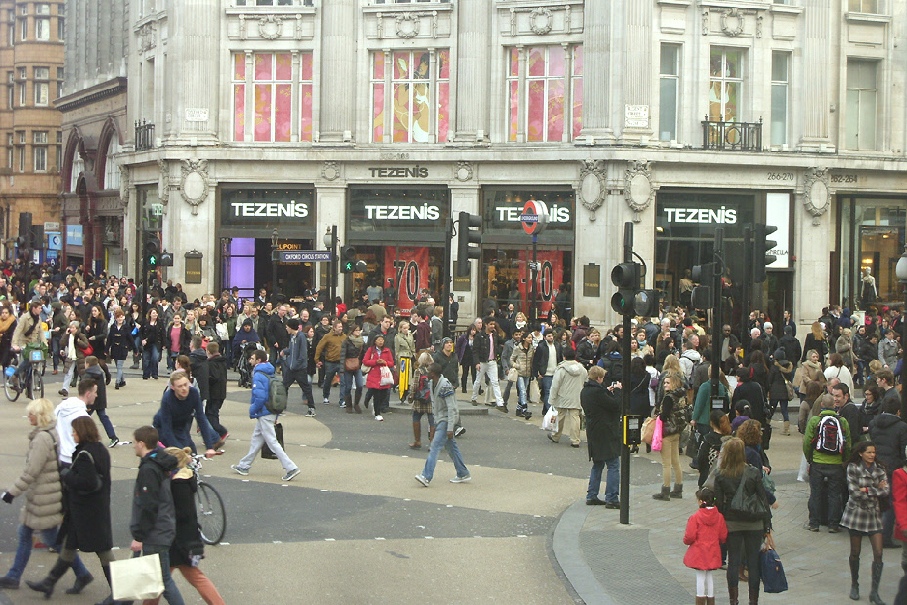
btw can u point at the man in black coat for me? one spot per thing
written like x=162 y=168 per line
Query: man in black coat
x=602 y=408
x=277 y=333
x=543 y=365
x=217 y=388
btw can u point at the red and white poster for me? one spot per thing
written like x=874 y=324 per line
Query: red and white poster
x=408 y=267
x=548 y=278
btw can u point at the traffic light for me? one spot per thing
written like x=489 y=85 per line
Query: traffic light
x=23 y=240
x=701 y=297
x=165 y=259
x=761 y=249
x=36 y=234
x=631 y=299
x=466 y=236
x=350 y=262
x=152 y=251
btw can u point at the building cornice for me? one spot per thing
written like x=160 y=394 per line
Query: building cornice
x=91 y=95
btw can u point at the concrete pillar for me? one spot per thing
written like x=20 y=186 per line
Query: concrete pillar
x=338 y=69
x=637 y=65
x=817 y=48
x=196 y=39
x=466 y=198
x=597 y=71
x=473 y=42
x=331 y=209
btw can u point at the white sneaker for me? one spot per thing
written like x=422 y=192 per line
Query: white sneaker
x=379 y=418
x=326 y=401
x=459 y=479
x=422 y=480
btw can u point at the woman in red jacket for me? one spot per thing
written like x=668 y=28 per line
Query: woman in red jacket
x=899 y=504
x=378 y=356
x=706 y=532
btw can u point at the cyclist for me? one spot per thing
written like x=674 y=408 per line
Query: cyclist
x=7 y=328
x=28 y=335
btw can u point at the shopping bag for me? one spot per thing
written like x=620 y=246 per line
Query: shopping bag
x=648 y=430
x=656 y=438
x=549 y=422
x=266 y=452
x=773 y=577
x=137 y=578
x=387 y=377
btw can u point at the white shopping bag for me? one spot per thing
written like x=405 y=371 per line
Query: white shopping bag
x=137 y=578
x=549 y=423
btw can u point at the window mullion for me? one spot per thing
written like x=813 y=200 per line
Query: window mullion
x=389 y=112
x=249 y=121
x=295 y=96
x=568 y=94
x=522 y=95
x=432 y=96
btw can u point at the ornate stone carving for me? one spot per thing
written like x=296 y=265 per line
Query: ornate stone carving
x=164 y=182
x=124 y=185
x=330 y=171
x=194 y=183
x=270 y=27
x=299 y=27
x=816 y=192
x=464 y=171
x=380 y=25
x=242 y=27
x=638 y=190
x=705 y=22
x=540 y=21
x=758 y=26
x=732 y=22
x=408 y=25
x=592 y=185
x=148 y=36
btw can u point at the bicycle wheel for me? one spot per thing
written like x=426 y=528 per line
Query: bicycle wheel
x=212 y=517
x=36 y=385
x=11 y=393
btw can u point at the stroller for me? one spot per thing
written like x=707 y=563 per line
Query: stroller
x=243 y=366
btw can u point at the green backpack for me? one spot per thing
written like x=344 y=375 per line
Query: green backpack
x=277 y=395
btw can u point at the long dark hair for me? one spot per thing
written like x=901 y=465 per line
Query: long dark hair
x=858 y=449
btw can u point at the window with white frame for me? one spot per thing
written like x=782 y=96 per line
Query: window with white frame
x=61 y=28
x=23 y=29
x=22 y=97
x=864 y=6
x=725 y=84
x=39 y=150
x=410 y=1
x=42 y=9
x=78 y=167
x=20 y=149
x=275 y=2
x=10 y=89
x=60 y=82
x=862 y=104
x=410 y=92
x=111 y=169
x=59 y=150
x=271 y=81
x=669 y=92
x=42 y=86
x=545 y=93
x=780 y=96
x=10 y=150
x=42 y=29
x=11 y=30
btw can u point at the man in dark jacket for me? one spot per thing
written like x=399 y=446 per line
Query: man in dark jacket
x=889 y=433
x=217 y=388
x=277 y=332
x=153 y=524
x=544 y=362
x=793 y=350
x=296 y=362
x=602 y=409
x=180 y=405
x=198 y=361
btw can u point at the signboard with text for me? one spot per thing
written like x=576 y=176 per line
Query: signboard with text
x=408 y=267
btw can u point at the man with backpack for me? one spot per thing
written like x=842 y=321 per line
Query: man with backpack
x=826 y=445
x=269 y=399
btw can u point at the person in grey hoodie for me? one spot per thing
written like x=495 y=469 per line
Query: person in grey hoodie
x=68 y=410
x=566 y=386
x=447 y=415
x=153 y=523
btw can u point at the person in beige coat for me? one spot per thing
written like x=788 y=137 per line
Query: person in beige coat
x=40 y=482
x=566 y=386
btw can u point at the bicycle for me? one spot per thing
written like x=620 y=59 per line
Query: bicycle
x=32 y=381
x=212 y=516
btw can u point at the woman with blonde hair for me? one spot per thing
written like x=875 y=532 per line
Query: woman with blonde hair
x=815 y=341
x=40 y=482
x=674 y=412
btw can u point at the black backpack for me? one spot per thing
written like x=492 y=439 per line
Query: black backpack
x=829 y=437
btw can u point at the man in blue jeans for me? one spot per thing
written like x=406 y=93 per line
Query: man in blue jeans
x=602 y=408
x=153 y=524
x=444 y=407
x=544 y=362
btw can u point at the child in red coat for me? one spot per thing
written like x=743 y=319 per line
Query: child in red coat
x=706 y=532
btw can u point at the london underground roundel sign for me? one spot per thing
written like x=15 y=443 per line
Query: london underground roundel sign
x=534 y=217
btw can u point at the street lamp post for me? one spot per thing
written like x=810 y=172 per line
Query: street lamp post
x=330 y=242
x=900 y=271
x=274 y=236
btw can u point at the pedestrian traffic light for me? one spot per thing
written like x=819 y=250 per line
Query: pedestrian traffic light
x=36 y=237
x=350 y=262
x=761 y=250
x=468 y=233
x=152 y=251
x=701 y=296
x=165 y=259
x=23 y=240
x=631 y=299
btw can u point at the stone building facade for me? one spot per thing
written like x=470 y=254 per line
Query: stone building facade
x=280 y=119
x=31 y=65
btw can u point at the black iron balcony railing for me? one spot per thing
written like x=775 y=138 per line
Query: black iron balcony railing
x=144 y=136
x=731 y=136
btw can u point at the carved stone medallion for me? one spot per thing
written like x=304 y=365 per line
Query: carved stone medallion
x=816 y=192
x=592 y=188
x=464 y=171
x=408 y=25
x=732 y=22
x=270 y=27
x=194 y=183
x=638 y=190
x=330 y=171
x=540 y=21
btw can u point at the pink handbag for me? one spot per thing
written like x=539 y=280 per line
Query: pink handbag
x=656 y=438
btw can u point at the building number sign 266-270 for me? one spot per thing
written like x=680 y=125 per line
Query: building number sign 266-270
x=780 y=176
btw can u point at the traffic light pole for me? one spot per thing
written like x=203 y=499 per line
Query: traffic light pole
x=445 y=276
x=533 y=287
x=716 y=309
x=334 y=267
x=625 y=391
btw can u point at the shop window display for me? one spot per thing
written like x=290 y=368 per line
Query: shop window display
x=410 y=96
x=545 y=90
x=272 y=80
x=872 y=240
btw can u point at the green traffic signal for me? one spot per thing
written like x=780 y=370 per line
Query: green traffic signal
x=152 y=260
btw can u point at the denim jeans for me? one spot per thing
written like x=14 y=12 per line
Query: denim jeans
x=437 y=443
x=151 y=358
x=55 y=350
x=105 y=421
x=826 y=482
x=490 y=369
x=347 y=379
x=612 y=480
x=265 y=433
x=23 y=552
x=171 y=592
x=522 y=390
x=545 y=388
x=331 y=369
x=119 y=364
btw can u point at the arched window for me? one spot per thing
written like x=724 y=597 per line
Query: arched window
x=78 y=167
x=111 y=168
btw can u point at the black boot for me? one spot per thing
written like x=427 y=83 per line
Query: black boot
x=677 y=492
x=754 y=596
x=47 y=584
x=665 y=494
x=854 y=578
x=732 y=592
x=356 y=399
x=876 y=578
x=79 y=584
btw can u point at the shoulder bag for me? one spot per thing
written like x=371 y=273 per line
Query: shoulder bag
x=88 y=479
x=750 y=504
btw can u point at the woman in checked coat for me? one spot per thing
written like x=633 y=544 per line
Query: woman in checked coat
x=866 y=482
